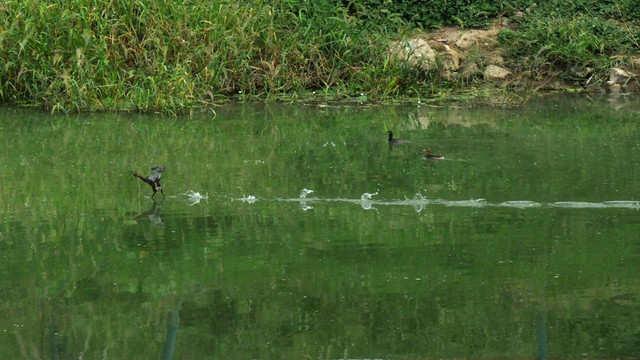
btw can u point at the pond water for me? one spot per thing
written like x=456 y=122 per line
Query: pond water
x=298 y=232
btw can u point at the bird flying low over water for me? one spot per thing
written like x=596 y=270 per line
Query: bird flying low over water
x=154 y=179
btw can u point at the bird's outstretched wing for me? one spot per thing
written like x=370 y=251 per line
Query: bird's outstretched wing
x=156 y=173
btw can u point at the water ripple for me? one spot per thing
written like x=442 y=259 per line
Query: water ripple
x=420 y=202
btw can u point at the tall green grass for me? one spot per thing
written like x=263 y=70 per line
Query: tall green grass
x=163 y=55
x=578 y=41
x=173 y=56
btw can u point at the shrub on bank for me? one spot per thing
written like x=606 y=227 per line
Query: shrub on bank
x=433 y=14
x=480 y=13
x=579 y=41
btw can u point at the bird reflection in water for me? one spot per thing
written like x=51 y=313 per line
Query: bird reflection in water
x=152 y=215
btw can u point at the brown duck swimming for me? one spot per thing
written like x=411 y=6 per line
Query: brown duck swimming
x=154 y=179
x=431 y=156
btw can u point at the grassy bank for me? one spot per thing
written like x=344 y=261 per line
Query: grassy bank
x=149 y=55
x=576 y=43
x=169 y=56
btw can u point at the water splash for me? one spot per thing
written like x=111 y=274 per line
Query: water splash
x=365 y=200
x=303 y=199
x=419 y=202
x=249 y=199
x=304 y=193
x=194 y=197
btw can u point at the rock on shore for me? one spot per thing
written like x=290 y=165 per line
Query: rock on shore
x=475 y=55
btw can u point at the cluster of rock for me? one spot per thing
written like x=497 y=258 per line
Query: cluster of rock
x=621 y=80
x=468 y=54
x=455 y=54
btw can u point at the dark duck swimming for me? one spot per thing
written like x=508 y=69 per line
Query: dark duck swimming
x=395 y=141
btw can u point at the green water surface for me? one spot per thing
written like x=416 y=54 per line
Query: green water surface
x=297 y=232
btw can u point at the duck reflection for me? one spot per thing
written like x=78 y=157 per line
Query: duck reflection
x=152 y=215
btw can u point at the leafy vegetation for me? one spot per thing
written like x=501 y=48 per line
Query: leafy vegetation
x=437 y=13
x=578 y=40
x=162 y=55
x=480 y=13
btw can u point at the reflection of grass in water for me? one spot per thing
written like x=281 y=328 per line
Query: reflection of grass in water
x=378 y=278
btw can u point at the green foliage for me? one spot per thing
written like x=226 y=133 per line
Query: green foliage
x=163 y=55
x=467 y=13
x=578 y=47
x=577 y=39
x=630 y=9
x=480 y=13
x=570 y=8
